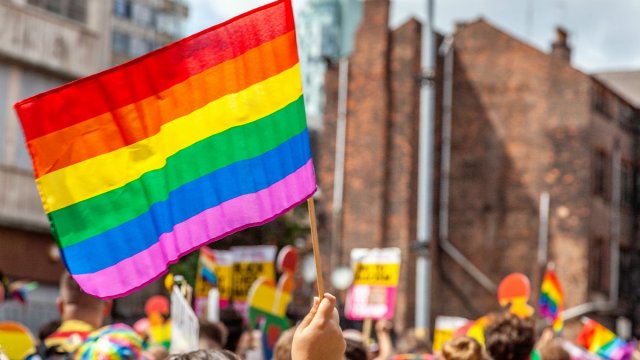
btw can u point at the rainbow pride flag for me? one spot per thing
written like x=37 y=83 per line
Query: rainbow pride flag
x=148 y=161
x=603 y=342
x=551 y=300
x=207 y=265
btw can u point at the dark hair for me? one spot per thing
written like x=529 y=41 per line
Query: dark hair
x=355 y=350
x=216 y=332
x=235 y=326
x=509 y=337
x=205 y=355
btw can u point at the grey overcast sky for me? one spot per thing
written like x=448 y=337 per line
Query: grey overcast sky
x=604 y=34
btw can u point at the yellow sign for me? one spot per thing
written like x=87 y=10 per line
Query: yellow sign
x=376 y=274
x=244 y=274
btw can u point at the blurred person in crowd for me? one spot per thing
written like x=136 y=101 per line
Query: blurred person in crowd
x=234 y=323
x=212 y=336
x=318 y=336
x=355 y=350
x=282 y=349
x=462 y=348
x=80 y=314
x=509 y=337
x=383 y=330
x=410 y=343
x=206 y=355
x=553 y=350
x=117 y=341
x=156 y=352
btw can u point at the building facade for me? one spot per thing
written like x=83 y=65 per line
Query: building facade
x=325 y=31
x=43 y=44
x=140 y=26
x=527 y=130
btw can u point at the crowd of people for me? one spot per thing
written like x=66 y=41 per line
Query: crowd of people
x=318 y=336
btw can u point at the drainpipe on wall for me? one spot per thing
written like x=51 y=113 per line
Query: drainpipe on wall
x=425 y=185
x=447 y=50
x=338 y=183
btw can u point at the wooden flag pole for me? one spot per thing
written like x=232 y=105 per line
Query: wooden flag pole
x=316 y=247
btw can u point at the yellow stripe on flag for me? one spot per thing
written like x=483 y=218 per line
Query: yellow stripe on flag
x=110 y=171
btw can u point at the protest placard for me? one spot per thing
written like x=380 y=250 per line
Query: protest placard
x=446 y=327
x=250 y=263
x=373 y=292
x=184 y=324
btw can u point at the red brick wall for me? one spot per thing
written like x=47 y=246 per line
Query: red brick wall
x=367 y=126
x=25 y=255
x=511 y=129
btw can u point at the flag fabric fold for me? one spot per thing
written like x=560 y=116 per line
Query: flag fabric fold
x=552 y=300
x=143 y=163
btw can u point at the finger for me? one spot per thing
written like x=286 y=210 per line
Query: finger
x=325 y=311
x=307 y=319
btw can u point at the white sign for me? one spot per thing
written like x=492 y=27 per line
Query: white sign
x=184 y=324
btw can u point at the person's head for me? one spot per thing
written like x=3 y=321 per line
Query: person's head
x=205 y=355
x=509 y=337
x=355 y=350
x=235 y=327
x=553 y=350
x=212 y=336
x=462 y=348
x=282 y=349
x=117 y=341
x=410 y=343
x=75 y=304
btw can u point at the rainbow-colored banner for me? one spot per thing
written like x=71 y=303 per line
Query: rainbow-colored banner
x=603 y=342
x=552 y=300
x=145 y=162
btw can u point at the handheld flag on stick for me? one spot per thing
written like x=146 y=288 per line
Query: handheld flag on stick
x=603 y=342
x=552 y=300
x=148 y=161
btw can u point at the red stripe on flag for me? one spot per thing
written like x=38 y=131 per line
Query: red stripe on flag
x=154 y=72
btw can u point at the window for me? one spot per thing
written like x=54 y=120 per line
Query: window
x=71 y=9
x=120 y=43
x=601 y=178
x=600 y=101
x=122 y=8
x=599 y=265
x=142 y=14
x=140 y=46
x=626 y=183
x=625 y=113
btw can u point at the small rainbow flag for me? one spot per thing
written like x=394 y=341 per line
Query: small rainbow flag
x=148 y=161
x=552 y=300
x=603 y=342
x=207 y=265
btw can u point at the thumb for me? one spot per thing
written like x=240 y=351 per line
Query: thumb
x=325 y=310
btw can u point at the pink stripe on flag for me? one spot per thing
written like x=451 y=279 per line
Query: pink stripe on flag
x=208 y=226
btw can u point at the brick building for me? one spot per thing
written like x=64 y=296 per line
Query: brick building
x=524 y=124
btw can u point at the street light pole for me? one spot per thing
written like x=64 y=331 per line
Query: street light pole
x=425 y=174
